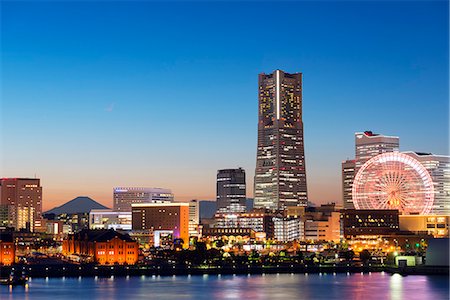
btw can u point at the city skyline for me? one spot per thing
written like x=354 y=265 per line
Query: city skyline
x=88 y=111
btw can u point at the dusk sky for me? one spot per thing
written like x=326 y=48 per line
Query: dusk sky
x=103 y=94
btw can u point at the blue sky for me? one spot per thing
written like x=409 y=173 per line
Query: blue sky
x=103 y=94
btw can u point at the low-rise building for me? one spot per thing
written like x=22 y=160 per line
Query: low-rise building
x=162 y=219
x=435 y=225
x=288 y=228
x=356 y=222
x=323 y=223
x=109 y=219
x=7 y=249
x=257 y=220
x=105 y=247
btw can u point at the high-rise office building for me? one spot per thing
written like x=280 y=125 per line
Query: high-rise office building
x=21 y=198
x=438 y=166
x=367 y=145
x=125 y=196
x=231 y=190
x=280 y=175
x=348 y=174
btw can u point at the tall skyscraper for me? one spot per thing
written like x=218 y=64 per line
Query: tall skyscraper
x=21 y=198
x=231 y=190
x=125 y=196
x=280 y=175
x=439 y=168
x=367 y=145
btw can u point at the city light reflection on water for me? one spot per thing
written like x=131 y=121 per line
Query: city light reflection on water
x=269 y=286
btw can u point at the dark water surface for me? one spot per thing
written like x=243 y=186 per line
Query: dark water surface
x=274 y=286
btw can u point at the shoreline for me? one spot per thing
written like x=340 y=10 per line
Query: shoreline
x=71 y=270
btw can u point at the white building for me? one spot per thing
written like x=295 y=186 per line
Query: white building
x=125 y=196
x=109 y=219
x=367 y=145
x=439 y=168
x=194 y=218
x=288 y=229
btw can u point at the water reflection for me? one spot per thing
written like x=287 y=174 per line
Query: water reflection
x=268 y=286
x=395 y=285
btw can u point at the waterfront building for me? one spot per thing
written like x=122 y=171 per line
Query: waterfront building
x=322 y=223
x=231 y=190
x=22 y=198
x=435 y=225
x=438 y=166
x=162 y=219
x=258 y=221
x=109 y=219
x=357 y=222
x=280 y=175
x=348 y=174
x=7 y=249
x=105 y=247
x=125 y=196
x=220 y=232
x=394 y=181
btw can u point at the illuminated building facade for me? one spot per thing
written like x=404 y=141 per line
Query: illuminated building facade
x=367 y=145
x=125 y=196
x=393 y=181
x=323 y=223
x=287 y=229
x=105 y=247
x=7 y=249
x=194 y=218
x=369 y=222
x=231 y=190
x=23 y=199
x=280 y=175
x=439 y=168
x=435 y=225
x=109 y=219
x=162 y=217
x=256 y=221
x=348 y=174
x=5 y=216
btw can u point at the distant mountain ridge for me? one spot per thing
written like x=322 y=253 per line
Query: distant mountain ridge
x=78 y=205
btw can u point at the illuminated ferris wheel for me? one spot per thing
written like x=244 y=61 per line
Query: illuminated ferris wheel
x=393 y=181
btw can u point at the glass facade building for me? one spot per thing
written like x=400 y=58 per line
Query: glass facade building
x=280 y=175
x=231 y=190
